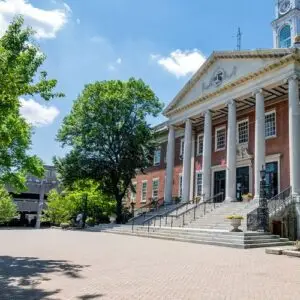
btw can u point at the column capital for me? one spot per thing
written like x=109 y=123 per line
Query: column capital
x=231 y=102
x=257 y=91
x=292 y=77
x=207 y=112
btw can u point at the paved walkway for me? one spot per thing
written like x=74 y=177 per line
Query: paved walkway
x=53 y=264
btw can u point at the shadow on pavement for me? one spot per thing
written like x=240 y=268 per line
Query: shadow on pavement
x=20 y=277
x=90 y=297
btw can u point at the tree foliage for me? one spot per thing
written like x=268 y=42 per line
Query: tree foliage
x=20 y=60
x=109 y=136
x=8 y=208
x=64 y=207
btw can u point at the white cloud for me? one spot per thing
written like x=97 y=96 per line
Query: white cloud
x=67 y=7
x=46 y=23
x=78 y=21
x=37 y=114
x=113 y=66
x=181 y=63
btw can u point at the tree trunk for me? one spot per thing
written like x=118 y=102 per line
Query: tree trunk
x=119 y=218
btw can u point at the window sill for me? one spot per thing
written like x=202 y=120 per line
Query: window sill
x=271 y=137
x=221 y=149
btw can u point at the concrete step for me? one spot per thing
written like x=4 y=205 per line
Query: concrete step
x=217 y=241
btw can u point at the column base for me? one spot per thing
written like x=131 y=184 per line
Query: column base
x=230 y=199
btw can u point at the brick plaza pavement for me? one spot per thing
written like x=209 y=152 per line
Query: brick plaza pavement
x=54 y=264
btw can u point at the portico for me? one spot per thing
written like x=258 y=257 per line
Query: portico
x=233 y=96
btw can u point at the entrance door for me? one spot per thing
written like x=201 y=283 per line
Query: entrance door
x=242 y=182
x=220 y=185
x=272 y=179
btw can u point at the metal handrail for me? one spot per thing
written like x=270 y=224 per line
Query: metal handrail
x=275 y=203
x=279 y=201
x=211 y=200
x=200 y=204
x=165 y=214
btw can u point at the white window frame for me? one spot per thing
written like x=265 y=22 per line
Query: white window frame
x=157 y=163
x=238 y=133
x=180 y=176
x=201 y=135
x=270 y=113
x=196 y=184
x=216 y=138
x=181 y=148
x=142 y=200
x=153 y=180
x=133 y=194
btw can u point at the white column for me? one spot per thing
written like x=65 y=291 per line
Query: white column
x=192 y=179
x=294 y=134
x=187 y=155
x=207 y=141
x=231 y=153
x=170 y=165
x=260 y=141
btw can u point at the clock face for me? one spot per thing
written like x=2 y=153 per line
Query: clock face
x=285 y=6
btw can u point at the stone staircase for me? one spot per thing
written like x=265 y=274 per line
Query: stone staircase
x=162 y=210
x=216 y=219
x=204 y=223
x=242 y=240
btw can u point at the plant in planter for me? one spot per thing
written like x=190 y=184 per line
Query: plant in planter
x=236 y=222
x=247 y=197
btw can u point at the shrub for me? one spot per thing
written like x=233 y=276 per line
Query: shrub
x=8 y=209
x=90 y=221
x=235 y=217
x=65 y=225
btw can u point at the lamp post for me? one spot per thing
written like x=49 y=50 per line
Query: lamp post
x=263 y=212
x=132 y=204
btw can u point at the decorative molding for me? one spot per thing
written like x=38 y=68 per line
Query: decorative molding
x=219 y=76
x=242 y=152
x=247 y=54
x=293 y=57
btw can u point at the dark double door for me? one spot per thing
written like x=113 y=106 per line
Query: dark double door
x=220 y=185
x=242 y=183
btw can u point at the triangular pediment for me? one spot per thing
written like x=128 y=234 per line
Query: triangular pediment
x=223 y=68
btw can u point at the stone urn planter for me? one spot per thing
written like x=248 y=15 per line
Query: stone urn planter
x=236 y=222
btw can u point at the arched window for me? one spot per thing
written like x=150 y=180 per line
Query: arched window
x=285 y=40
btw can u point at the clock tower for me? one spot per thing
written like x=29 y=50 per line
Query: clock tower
x=286 y=26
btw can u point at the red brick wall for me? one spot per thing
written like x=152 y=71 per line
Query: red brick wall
x=280 y=144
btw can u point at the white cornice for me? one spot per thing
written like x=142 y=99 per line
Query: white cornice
x=250 y=54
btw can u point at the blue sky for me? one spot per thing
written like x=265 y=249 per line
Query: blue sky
x=161 y=41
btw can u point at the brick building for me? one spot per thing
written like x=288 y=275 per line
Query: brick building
x=239 y=113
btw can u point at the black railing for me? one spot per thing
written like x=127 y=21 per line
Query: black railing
x=182 y=217
x=202 y=207
x=275 y=205
x=166 y=214
x=278 y=202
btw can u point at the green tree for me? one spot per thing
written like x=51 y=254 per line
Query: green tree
x=8 y=208
x=109 y=136
x=57 y=210
x=20 y=60
x=64 y=207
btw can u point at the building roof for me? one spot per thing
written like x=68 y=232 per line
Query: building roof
x=247 y=54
